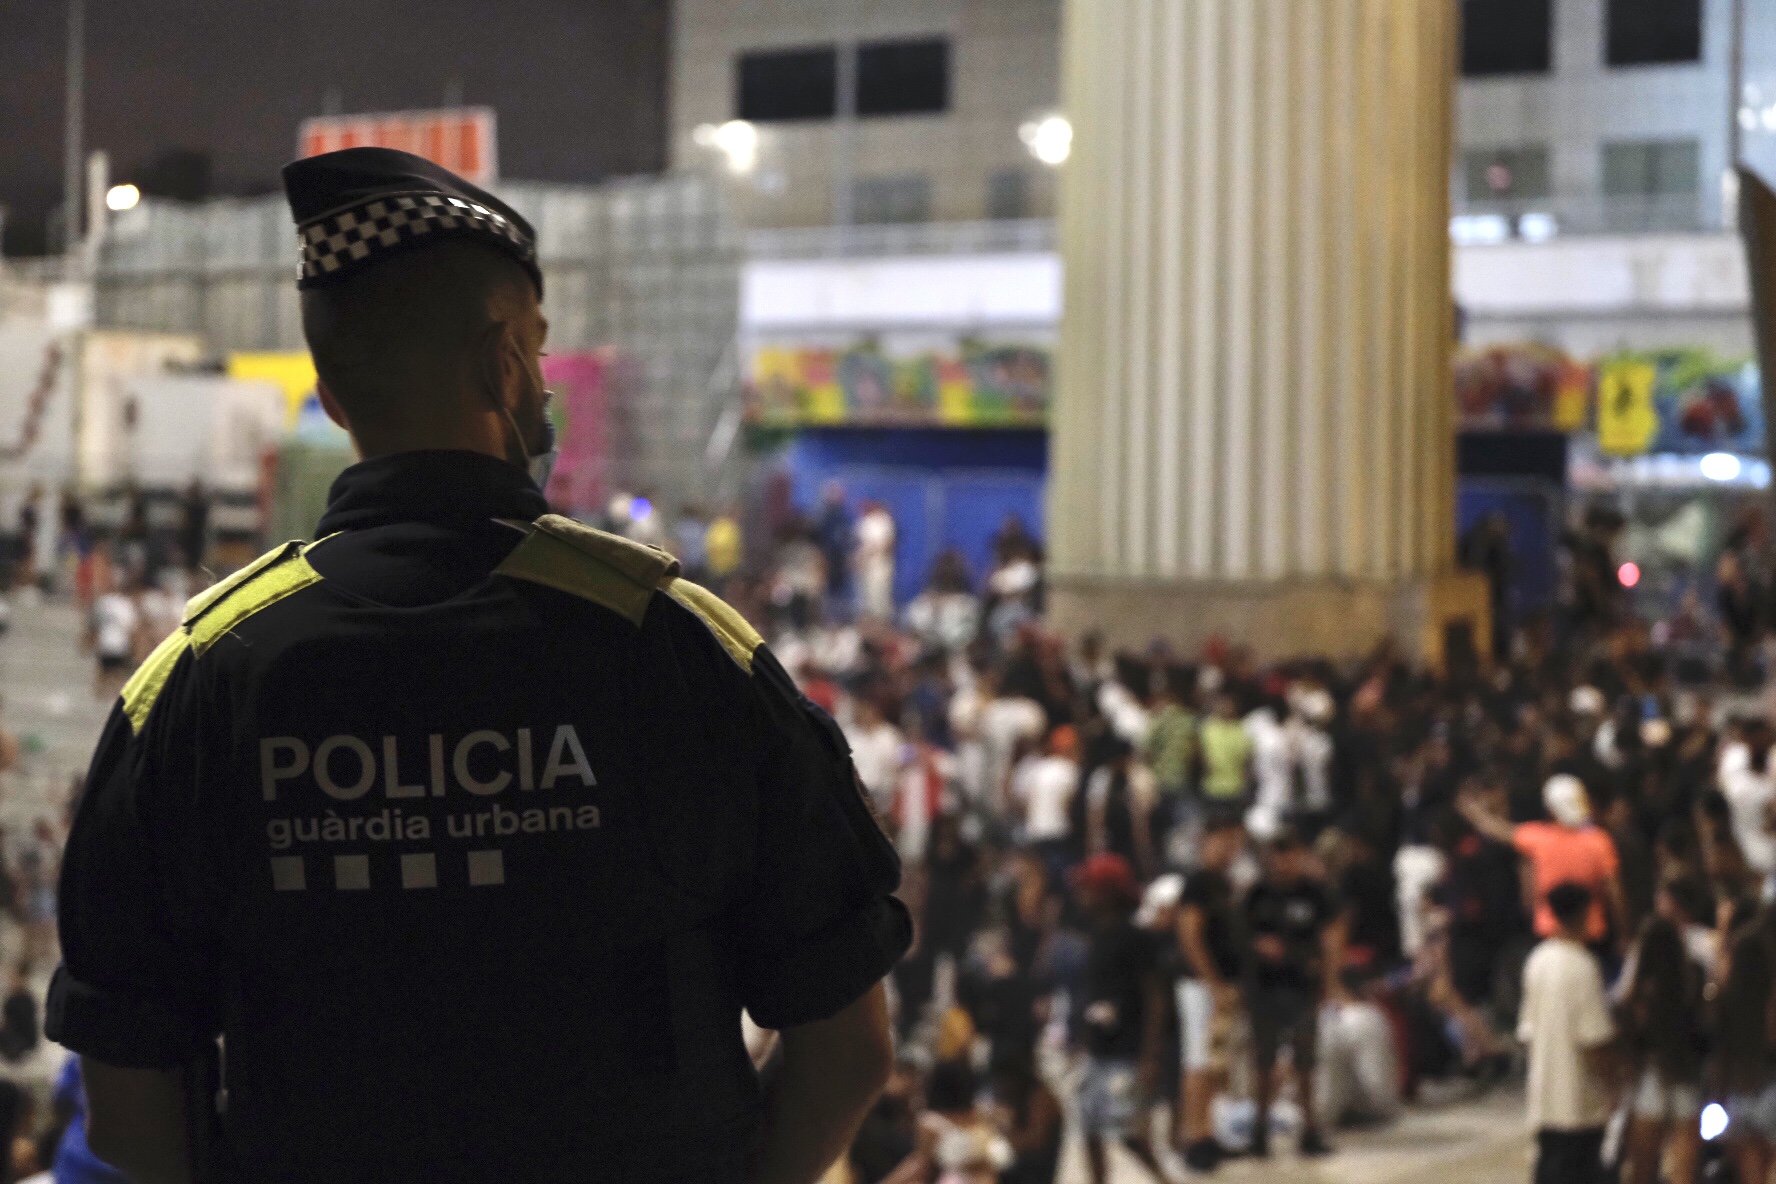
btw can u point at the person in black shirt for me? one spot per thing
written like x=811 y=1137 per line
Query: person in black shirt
x=1296 y=934
x=1030 y=1118
x=19 y=1030
x=1208 y=991
x=472 y=831
x=1120 y=1020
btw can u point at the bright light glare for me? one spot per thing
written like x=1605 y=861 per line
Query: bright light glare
x=737 y=140
x=1721 y=466
x=1479 y=229
x=1537 y=228
x=1628 y=574
x=1714 y=1121
x=1049 y=139
x=122 y=197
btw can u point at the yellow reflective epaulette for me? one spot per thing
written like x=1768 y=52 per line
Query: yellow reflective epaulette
x=268 y=579
x=212 y=613
x=607 y=569
x=145 y=685
x=736 y=635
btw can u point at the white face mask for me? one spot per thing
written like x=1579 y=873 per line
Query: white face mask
x=541 y=464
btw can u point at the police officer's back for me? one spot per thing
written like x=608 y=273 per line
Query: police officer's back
x=469 y=829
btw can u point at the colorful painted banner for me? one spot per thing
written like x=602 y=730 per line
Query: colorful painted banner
x=973 y=386
x=1521 y=387
x=1626 y=418
x=1675 y=400
x=1699 y=401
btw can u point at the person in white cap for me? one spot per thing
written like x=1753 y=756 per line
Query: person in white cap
x=1568 y=850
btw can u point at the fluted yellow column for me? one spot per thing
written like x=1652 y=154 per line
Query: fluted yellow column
x=1253 y=429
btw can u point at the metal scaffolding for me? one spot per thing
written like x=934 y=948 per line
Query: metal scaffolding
x=649 y=268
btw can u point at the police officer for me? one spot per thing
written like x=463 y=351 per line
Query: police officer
x=464 y=833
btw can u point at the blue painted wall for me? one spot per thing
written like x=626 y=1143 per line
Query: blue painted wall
x=945 y=487
x=955 y=488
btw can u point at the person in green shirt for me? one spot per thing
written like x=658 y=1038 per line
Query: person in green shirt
x=1226 y=753
x=1170 y=751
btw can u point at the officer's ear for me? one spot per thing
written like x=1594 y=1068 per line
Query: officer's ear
x=331 y=406
x=504 y=373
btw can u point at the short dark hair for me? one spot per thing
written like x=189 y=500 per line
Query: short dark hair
x=1570 y=903
x=383 y=339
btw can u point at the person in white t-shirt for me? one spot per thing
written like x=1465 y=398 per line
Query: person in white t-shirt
x=1004 y=721
x=877 y=750
x=112 y=632
x=1042 y=788
x=1566 y=1023
x=1748 y=782
x=874 y=562
x=1273 y=761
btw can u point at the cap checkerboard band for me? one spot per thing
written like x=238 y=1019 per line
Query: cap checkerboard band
x=346 y=237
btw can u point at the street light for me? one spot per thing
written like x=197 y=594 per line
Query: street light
x=1049 y=139
x=122 y=197
x=737 y=140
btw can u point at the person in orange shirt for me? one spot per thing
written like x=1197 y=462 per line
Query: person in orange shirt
x=1570 y=849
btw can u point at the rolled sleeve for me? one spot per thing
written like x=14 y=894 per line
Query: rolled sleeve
x=116 y=1028
x=133 y=989
x=821 y=925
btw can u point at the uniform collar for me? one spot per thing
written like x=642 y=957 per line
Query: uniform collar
x=442 y=487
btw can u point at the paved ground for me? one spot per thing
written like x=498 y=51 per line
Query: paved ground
x=1471 y=1142
x=46 y=685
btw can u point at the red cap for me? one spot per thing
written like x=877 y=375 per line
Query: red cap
x=1108 y=872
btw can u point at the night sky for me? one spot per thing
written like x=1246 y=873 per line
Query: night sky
x=579 y=85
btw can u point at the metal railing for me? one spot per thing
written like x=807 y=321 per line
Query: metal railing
x=1532 y=219
x=903 y=238
x=1597 y=213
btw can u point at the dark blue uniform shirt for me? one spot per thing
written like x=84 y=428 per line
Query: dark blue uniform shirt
x=470 y=832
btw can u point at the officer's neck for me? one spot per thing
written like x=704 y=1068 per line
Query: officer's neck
x=472 y=436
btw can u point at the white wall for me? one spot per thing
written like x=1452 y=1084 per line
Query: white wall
x=1587 y=294
x=956 y=291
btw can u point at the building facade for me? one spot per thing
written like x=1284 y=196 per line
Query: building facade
x=1574 y=116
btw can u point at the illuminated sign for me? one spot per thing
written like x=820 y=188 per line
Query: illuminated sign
x=462 y=139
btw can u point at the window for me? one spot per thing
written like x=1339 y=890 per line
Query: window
x=903 y=77
x=1008 y=195
x=876 y=200
x=1650 y=32
x=1652 y=185
x=1505 y=174
x=1506 y=37
x=780 y=85
x=1651 y=168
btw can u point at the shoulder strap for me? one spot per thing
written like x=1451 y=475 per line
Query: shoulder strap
x=212 y=613
x=609 y=570
x=204 y=601
x=736 y=634
x=265 y=581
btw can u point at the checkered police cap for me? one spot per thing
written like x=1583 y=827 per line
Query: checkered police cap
x=359 y=206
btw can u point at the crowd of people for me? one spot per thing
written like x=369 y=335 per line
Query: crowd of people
x=1195 y=902
x=1197 y=899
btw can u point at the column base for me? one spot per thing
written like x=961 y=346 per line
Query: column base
x=1426 y=616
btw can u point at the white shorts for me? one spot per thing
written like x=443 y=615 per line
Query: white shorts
x=1655 y=1101
x=1196 y=1024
